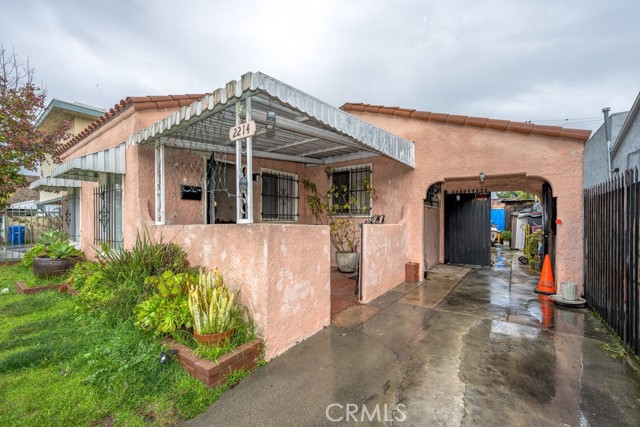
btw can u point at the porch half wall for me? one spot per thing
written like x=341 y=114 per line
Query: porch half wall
x=384 y=255
x=281 y=271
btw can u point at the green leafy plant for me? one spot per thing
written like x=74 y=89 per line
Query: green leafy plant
x=61 y=249
x=532 y=242
x=29 y=256
x=211 y=304
x=167 y=310
x=50 y=237
x=336 y=209
x=81 y=273
x=245 y=331
x=125 y=271
x=506 y=235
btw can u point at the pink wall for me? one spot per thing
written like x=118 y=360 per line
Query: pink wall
x=384 y=257
x=449 y=151
x=281 y=271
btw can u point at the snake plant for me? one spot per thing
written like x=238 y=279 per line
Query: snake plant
x=211 y=304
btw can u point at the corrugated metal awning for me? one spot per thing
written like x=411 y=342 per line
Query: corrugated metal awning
x=307 y=130
x=87 y=167
x=54 y=184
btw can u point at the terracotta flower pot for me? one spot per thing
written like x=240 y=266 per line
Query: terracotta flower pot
x=212 y=340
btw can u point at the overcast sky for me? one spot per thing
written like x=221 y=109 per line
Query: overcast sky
x=538 y=60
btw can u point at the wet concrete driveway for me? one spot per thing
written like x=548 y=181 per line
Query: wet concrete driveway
x=472 y=347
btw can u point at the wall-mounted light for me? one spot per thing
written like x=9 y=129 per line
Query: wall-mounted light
x=271 y=120
x=481 y=176
x=457 y=197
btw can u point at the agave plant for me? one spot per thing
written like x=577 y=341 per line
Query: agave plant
x=211 y=304
x=50 y=237
x=61 y=249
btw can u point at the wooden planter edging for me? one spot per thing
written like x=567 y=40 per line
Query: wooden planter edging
x=214 y=374
x=23 y=288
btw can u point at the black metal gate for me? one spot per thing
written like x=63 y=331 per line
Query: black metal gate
x=467 y=229
x=549 y=224
x=612 y=253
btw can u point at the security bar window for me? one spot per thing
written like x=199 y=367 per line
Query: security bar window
x=108 y=213
x=351 y=186
x=279 y=196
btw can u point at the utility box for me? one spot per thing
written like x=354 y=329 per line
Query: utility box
x=412 y=272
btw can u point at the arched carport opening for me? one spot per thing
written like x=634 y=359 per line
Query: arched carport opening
x=457 y=217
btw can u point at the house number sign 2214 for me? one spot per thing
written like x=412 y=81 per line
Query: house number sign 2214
x=243 y=130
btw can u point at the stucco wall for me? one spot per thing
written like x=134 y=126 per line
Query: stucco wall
x=384 y=255
x=445 y=151
x=281 y=271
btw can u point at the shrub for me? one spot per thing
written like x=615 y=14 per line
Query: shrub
x=123 y=273
x=506 y=235
x=29 y=256
x=167 y=310
x=81 y=273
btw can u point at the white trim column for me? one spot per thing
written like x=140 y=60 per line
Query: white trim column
x=249 y=168
x=159 y=183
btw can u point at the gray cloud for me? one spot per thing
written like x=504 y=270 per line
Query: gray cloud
x=518 y=60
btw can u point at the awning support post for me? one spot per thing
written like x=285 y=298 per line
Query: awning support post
x=244 y=184
x=159 y=182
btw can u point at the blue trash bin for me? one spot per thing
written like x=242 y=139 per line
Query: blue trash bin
x=16 y=235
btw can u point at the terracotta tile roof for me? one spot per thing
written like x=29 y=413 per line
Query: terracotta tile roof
x=139 y=103
x=480 y=122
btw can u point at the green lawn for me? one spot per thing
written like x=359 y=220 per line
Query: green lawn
x=10 y=273
x=61 y=368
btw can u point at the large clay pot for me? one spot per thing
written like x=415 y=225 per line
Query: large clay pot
x=213 y=340
x=43 y=266
x=347 y=261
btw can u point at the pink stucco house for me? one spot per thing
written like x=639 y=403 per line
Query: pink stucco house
x=167 y=164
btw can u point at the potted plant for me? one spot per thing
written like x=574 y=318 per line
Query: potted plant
x=59 y=255
x=213 y=309
x=506 y=238
x=336 y=209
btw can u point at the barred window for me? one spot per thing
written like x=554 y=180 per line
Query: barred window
x=350 y=184
x=108 y=212
x=279 y=196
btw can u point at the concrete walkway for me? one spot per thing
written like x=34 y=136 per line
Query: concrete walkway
x=472 y=347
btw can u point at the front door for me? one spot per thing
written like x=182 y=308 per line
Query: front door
x=467 y=229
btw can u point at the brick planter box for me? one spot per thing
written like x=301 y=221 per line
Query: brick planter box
x=23 y=288
x=214 y=374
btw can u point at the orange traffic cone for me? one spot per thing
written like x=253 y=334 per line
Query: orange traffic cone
x=546 y=284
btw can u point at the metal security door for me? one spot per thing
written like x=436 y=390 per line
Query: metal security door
x=467 y=229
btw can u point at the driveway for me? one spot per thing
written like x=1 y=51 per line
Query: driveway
x=468 y=346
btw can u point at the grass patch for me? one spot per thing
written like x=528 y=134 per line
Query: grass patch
x=15 y=272
x=59 y=367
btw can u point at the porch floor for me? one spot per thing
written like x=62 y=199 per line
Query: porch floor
x=343 y=288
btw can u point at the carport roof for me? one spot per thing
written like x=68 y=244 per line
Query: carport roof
x=479 y=122
x=307 y=129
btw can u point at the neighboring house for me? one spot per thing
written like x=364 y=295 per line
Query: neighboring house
x=625 y=147
x=596 y=162
x=51 y=191
x=166 y=165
